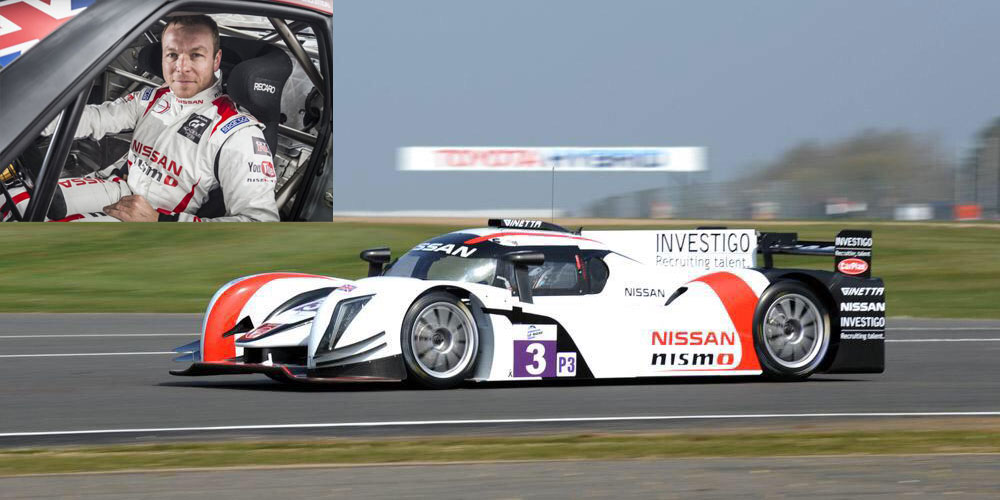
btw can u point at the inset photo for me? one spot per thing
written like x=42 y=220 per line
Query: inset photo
x=145 y=111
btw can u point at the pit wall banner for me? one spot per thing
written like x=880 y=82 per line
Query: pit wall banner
x=547 y=159
x=697 y=249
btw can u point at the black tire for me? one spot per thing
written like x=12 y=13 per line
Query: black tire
x=791 y=331
x=439 y=340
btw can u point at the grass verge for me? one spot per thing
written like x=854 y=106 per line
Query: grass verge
x=930 y=270
x=571 y=446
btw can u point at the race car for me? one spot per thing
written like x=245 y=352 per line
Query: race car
x=58 y=55
x=529 y=300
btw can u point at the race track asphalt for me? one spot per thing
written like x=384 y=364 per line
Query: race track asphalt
x=107 y=375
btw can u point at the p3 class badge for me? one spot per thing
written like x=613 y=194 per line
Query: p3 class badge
x=566 y=364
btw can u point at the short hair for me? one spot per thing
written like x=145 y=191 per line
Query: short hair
x=197 y=20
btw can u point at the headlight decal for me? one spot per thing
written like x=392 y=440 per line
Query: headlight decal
x=269 y=329
x=342 y=316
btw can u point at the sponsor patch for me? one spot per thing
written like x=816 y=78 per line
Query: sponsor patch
x=863 y=291
x=194 y=128
x=239 y=120
x=450 y=249
x=260 y=147
x=268 y=168
x=264 y=87
x=310 y=306
x=862 y=336
x=862 y=307
x=852 y=322
x=147 y=94
x=161 y=106
x=645 y=292
x=853 y=253
x=265 y=168
x=852 y=266
x=80 y=181
x=853 y=241
x=522 y=223
x=260 y=330
x=704 y=249
x=693 y=350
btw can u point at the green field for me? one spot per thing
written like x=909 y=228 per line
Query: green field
x=930 y=270
x=570 y=446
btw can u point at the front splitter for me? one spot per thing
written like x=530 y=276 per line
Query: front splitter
x=283 y=373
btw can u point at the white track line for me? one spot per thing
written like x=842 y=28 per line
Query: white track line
x=412 y=423
x=63 y=336
x=84 y=354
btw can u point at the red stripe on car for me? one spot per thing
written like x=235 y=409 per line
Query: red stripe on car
x=740 y=302
x=225 y=312
x=481 y=239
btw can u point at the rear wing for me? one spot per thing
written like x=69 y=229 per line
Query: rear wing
x=852 y=250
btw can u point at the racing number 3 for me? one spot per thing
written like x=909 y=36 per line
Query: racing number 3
x=537 y=351
x=534 y=358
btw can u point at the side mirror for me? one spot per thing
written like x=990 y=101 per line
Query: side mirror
x=376 y=258
x=521 y=260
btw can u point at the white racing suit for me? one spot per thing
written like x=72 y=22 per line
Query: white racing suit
x=182 y=149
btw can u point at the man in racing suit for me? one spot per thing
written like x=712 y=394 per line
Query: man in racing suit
x=188 y=139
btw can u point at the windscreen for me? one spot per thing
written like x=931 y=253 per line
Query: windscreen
x=440 y=266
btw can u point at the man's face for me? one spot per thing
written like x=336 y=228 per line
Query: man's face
x=188 y=62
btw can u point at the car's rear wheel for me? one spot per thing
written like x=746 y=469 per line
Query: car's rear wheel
x=791 y=331
x=440 y=341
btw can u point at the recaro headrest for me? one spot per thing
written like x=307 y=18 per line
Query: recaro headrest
x=256 y=82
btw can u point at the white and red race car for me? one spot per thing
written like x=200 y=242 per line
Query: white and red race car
x=528 y=300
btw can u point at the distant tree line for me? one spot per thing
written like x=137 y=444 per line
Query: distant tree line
x=881 y=168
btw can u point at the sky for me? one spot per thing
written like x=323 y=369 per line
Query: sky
x=746 y=80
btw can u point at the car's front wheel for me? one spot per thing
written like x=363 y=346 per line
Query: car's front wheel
x=791 y=331
x=439 y=340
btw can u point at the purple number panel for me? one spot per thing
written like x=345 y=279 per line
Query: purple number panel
x=534 y=358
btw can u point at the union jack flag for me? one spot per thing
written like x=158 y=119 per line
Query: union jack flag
x=24 y=22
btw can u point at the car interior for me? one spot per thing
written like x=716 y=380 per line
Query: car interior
x=253 y=48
